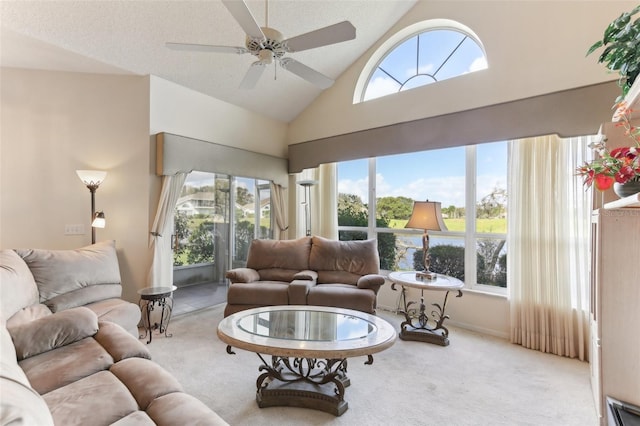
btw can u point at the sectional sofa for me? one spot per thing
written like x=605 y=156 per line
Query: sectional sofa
x=307 y=271
x=69 y=348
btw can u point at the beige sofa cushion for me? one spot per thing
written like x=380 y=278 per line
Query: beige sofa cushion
x=179 y=408
x=121 y=312
x=18 y=289
x=21 y=404
x=54 y=369
x=53 y=331
x=263 y=293
x=69 y=278
x=343 y=261
x=343 y=295
x=98 y=399
x=283 y=254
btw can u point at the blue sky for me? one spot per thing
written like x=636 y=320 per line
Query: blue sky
x=436 y=175
x=420 y=60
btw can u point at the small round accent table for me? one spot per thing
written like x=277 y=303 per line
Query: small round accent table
x=423 y=330
x=150 y=299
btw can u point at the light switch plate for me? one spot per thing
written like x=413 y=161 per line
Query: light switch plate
x=74 y=229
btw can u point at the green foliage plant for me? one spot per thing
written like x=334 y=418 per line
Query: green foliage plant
x=621 y=41
x=445 y=259
x=349 y=216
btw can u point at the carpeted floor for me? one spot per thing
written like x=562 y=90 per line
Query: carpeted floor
x=477 y=380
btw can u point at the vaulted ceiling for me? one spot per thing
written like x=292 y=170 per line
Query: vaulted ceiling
x=129 y=37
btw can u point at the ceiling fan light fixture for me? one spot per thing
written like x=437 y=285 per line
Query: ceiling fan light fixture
x=268 y=45
x=266 y=56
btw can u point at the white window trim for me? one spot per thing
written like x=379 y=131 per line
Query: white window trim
x=398 y=38
x=470 y=235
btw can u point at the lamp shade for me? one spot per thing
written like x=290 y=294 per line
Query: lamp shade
x=91 y=177
x=307 y=183
x=98 y=220
x=426 y=215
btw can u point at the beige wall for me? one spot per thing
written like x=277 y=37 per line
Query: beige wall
x=533 y=48
x=53 y=123
x=477 y=311
x=181 y=111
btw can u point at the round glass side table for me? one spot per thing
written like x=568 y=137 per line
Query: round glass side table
x=152 y=298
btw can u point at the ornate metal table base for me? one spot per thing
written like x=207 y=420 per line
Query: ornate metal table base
x=423 y=330
x=317 y=384
x=148 y=304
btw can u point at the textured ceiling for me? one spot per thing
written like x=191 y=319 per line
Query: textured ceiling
x=130 y=36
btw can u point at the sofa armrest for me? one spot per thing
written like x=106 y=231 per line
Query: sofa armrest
x=53 y=331
x=371 y=281
x=243 y=275
x=119 y=342
x=307 y=275
x=298 y=290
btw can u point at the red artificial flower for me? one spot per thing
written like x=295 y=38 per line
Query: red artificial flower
x=624 y=174
x=603 y=182
x=618 y=165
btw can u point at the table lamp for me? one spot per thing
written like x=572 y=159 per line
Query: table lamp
x=426 y=215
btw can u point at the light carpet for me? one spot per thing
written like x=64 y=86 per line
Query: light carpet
x=476 y=380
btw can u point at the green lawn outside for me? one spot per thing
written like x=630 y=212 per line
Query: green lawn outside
x=495 y=226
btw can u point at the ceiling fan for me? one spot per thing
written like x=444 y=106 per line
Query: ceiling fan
x=269 y=45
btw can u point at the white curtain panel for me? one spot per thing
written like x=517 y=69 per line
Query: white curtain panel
x=279 y=210
x=323 y=202
x=549 y=239
x=326 y=208
x=161 y=273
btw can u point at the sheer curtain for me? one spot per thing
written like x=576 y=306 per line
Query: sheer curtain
x=548 y=240
x=161 y=273
x=279 y=210
x=326 y=208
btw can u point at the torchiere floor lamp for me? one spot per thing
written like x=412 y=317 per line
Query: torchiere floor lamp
x=93 y=179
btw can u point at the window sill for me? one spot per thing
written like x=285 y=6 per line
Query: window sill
x=485 y=293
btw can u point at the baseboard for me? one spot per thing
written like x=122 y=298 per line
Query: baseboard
x=470 y=327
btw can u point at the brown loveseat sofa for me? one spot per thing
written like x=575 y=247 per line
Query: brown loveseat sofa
x=307 y=271
x=68 y=356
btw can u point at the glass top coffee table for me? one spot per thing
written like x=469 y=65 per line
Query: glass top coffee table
x=309 y=347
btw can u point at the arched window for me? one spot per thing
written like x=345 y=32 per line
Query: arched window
x=421 y=54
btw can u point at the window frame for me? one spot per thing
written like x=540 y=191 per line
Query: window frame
x=400 y=37
x=470 y=234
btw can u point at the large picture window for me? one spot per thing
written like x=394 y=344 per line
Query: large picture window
x=376 y=198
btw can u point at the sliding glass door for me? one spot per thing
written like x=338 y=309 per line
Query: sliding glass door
x=216 y=218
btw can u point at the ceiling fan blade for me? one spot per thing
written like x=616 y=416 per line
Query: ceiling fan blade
x=304 y=72
x=253 y=75
x=332 y=34
x=206 y=48
x=242 y=14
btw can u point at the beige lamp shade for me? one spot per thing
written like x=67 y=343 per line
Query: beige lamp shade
x=99 y=220
x=426 y=215
x=91 y=177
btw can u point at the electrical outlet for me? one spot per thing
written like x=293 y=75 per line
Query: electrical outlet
x=74 y=230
